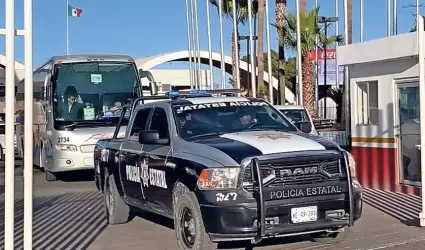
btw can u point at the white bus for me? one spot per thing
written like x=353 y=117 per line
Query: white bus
x=77 y=101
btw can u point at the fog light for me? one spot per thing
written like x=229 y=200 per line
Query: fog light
x=333 y=214
x=68 y=162
x=269 y=221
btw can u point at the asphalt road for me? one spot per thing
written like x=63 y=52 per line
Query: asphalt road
x=68 y=214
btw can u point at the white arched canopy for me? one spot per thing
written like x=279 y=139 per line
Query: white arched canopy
x=150 y=62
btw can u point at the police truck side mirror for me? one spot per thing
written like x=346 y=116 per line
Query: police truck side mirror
x=304 y=126
x=151 y=137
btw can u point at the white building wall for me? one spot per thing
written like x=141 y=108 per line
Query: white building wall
x=387 y=74
x=386 y=60
x=379 y=50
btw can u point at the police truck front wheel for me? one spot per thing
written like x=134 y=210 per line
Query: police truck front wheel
x=332 y=238
x=188 y=223
x=116 y=210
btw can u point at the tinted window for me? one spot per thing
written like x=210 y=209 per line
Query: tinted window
x=160 y=123
x=194 y=120
x=2 y=130
x=296 y=115
x=139 y=123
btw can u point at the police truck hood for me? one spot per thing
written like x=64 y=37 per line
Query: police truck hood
x=240 y=145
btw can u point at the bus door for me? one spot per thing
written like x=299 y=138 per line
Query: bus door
x=48 y=120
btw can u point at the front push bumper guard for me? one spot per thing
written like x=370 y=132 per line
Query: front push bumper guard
x=258 y=194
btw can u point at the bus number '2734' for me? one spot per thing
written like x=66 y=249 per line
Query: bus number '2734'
x=63 y=139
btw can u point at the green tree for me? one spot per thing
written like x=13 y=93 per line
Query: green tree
x=310 y=28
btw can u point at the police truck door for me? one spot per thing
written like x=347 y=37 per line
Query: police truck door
x=130 y=169
x=158 y=178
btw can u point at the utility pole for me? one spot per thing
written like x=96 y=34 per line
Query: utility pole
x=9 y=213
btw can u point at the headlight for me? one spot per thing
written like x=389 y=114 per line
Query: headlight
x=218 y=178
x=351 y=164
x=66 y=147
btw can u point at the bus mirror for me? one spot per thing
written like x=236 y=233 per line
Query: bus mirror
x=142 y=73
x=153 y=88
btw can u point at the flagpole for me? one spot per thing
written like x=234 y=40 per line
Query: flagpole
x=299 y=58
x=67 y=28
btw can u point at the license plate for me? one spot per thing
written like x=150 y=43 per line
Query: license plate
x=303 y=214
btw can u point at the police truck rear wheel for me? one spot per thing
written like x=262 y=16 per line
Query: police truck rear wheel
x=188 y=223
x=116 y=210
x=50 y=176
x=332 y=238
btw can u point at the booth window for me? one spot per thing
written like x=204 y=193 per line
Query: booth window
x=367 y=103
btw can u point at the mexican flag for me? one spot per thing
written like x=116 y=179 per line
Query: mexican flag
x=74 y=11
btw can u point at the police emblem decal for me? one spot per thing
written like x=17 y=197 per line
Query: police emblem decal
x=104 y=155
x=274 y=136
x=144 y=175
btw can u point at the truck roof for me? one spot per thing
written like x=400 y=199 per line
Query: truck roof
x=202 y=100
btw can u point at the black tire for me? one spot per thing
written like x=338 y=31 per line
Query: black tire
x=332 y=238
x=116 y=210
x=1 y=154
x=50 y=176
x=21 y=153
x=185 y=202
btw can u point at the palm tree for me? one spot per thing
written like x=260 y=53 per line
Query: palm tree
x=280 y=12
x=242 y=17
x=309 y=30
x=260 y=46
x=303 y=6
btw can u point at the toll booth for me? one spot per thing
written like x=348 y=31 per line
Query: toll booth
x=384 y=103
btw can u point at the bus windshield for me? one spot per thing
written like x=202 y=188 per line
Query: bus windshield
x=93 y=93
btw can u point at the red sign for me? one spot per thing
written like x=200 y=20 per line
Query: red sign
x=330 y=54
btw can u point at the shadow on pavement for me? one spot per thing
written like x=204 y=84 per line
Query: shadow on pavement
x=265 y=243
x=76 y=176
x=403 y=207
x=169 y=224
x=154 y=218
x=71 y=221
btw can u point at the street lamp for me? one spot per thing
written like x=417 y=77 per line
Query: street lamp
x=325 y=21
x=247 y=55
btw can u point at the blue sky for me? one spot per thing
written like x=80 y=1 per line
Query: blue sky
x=146 y=28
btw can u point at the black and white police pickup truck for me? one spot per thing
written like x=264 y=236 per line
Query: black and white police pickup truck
x=226 y=169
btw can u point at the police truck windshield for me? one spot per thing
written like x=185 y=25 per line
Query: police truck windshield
x=92 y=93
x=198 y=120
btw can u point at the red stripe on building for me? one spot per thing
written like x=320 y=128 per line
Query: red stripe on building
x=378 y=168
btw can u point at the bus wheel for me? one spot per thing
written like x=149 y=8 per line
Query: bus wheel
x=22 y=150
x=50 y=176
